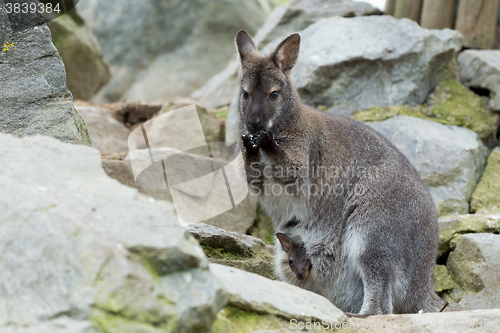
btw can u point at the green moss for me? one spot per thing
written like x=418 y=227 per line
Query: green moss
x=442 y=278
x=106 y=322
x=450 y=230
x=451 y=103
x=259 y=262
x=235 y=320
x=222 y=114
x=486 y=196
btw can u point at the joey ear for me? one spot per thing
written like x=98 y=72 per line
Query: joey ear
x=244 y=44
x=285 y=241
x=286 y=54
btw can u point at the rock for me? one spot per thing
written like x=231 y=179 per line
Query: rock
x=442 y=279
x=383 y=61
x=481 y=69
x=254 y=293
x=475 y=267
x=449 y=159
x=293 y=16
x=456 y=321
x=237 y=219
x=86 y=70
x=34 y=98
x=87 y=253
x=232 y=249
x=450 y=103
x=166 y=50
x=452 y=228
x=486 y=196
x=131 y=113
x=107 y=134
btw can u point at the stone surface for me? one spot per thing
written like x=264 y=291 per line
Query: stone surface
x=475 y=267
x=161 y=49
x=372 y=61
x=34 y=98
x=237 y=219
x=86 y=70
x=107 y=134
x=449 y=159
x=451 y=103
x=486 y=196
x=293 y=16
x=451 y=228
x=233 y=249
x=481 y=69
x=255 y=293
x=89 y=254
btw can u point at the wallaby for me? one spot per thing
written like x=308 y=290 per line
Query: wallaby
x=368 y=223
x=298 y=262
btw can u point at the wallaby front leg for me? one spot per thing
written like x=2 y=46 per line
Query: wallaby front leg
x=377 y=298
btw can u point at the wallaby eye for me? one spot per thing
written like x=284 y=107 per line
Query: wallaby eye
x=273 y=96
x=290 y=261
x=309 y=260
x=245 y=95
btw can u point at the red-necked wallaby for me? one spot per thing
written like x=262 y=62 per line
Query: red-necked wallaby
x=298 y=261
x=368 y=223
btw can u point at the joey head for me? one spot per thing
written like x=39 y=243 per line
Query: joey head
x=299 y=262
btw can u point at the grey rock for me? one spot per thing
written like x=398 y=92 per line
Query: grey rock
x=449 y=159
x=475 y=267
x=481 y=69
x=34 y=98
x=163 y=50
x=231 y=241
x=257 y=294
x=371 y=61
x=293 y=16
x=107 y=134
x=86 y=252
x=233 y=249
x=238 y=218
x=86 y=70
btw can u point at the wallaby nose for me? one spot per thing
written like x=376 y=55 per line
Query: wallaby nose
x=254 y=122
x=300 y=275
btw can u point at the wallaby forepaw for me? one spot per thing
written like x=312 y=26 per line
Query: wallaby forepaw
x=250 y=143
x=264 y=139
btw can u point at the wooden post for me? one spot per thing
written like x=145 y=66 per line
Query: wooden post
x=390 y=5
x=438 y=14
x=476 y=21
x=408 y=8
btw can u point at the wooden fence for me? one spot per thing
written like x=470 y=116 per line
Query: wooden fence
x=475 y=19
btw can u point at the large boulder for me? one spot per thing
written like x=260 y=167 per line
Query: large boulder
x=86 y=70
x=159 y=50
x=293 y=16
x=475 y=267
x=34 y=98
x=371 y=61
x=88 y=254
x=481 y=69
x=486 y=196
x=449 y=159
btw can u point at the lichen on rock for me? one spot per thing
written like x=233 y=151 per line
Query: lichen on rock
x=486 y=196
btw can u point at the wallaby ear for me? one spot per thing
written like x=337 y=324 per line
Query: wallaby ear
x=286 y=242
x=244 y=44
x=286 y=54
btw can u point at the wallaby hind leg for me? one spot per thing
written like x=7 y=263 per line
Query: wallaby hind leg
x=377 y=298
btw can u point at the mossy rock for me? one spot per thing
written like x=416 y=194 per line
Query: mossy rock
x=451 y=229
x=235 y=320
x=442 y=278
x=451 y=103
x=486 y=196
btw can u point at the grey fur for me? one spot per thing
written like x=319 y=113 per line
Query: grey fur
x=373 y=240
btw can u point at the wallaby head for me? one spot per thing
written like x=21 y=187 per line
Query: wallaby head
x=266 y=90
x=298 y=260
